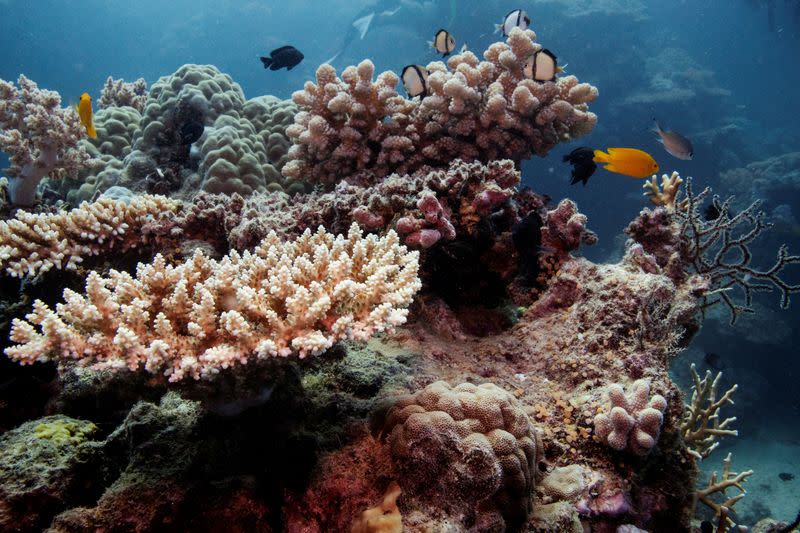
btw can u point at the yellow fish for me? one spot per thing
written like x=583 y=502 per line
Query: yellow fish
x=627 y=161
x=84 y=109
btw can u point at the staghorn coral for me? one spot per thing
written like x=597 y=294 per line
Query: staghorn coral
x=356 y=129
x=633 y=421
x=201 y=316
x=40 y=138
x=34 y=243
x=667 y=193
x=119 y=93
x=720 y=486
x=701 y=427
x=469 y=446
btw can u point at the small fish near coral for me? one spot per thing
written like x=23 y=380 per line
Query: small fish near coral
x=84 y=109
x=674 y=143
x=443 y=42
x=786 y=476
x=284 y=57
x=627 y=161
x=515 y=19
x=714 y=361
x=415 y=80
x=541 y=66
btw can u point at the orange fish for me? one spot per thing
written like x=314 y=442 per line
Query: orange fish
x=84 y=109
x=627 y=161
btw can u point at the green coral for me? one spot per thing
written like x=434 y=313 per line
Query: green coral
x=64 y=430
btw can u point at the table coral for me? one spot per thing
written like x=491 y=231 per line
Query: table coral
x=40 y=138
x=474 y=110
x=199 y=317
x=469 y=447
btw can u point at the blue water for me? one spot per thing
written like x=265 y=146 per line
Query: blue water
x=72 y=47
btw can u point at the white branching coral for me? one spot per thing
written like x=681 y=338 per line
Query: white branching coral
x=34 y=243
x=665 y=195
x=201 y=316
x=701 y=426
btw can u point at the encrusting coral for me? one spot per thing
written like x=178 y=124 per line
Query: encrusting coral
x=634 y=420
x=470 y=447
x=201 y=316
x=358 y=129
x=701 y=426
x=34 y=243
x=40 y=138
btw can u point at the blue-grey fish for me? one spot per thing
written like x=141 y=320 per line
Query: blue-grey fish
x=674 y=143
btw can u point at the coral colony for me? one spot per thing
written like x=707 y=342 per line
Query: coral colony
x=358 y=275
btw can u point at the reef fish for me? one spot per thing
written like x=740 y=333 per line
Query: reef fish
x=583 y=165
x=714 y=360
x=627 y=161
x=191 y=131
x=84 y=109
x=541 y=66
x=674 y=143
x=285 y=56
x=443 y=42
x=415 y=80
x=515 y=19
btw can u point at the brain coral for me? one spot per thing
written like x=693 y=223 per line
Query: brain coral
x=468 y=450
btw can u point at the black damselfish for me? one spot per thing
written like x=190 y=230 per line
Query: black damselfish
x=284 y=57
x=583 y=165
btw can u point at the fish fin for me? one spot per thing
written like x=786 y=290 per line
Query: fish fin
x=498 y=28
x=431 y=44
x=267 y=61
x=331 y=59
x=602 y=157
x=463 y=48
x=656 y=126
x=362 y=24
x=91 y=132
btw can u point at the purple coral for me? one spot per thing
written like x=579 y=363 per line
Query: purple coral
x=633 y=422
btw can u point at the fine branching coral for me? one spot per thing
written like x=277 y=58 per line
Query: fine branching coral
x=34 y=243
x=119 y=93
x=201 y=316
x=701 y=426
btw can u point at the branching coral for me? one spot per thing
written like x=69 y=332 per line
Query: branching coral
x=719 y=249
x=720 y=486
x=40 y=138
x=701 y=427
x=34 y=243
x=201 y=316
x=667 y=193
x=119 y=93
x=360 y=129
x=634 y=420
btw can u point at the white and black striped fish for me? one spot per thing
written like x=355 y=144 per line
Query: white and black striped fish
x=516 y=19
x=443 y=42
x=541 y=66
x=415 y=80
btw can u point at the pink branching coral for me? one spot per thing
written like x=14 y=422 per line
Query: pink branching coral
x=360 y=129
x=119 y=93
x=34 y=243
x=634 y=420
x=39 y=136
x=201 y=316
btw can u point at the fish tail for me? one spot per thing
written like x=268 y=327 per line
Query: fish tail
x=267 y=61
x=601 y=157
x=91 y=132
x=656 y=125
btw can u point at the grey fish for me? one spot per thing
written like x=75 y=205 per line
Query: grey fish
x=674 y=143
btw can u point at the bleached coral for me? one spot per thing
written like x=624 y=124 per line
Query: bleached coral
x=119 y=93
x=667 y=193
x=199 y=317
x=357 y=128
x=634 y=421
x=39 y=137
x=701 y=426
x=34 y=243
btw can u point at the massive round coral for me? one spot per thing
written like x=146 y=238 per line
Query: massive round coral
x=467 y=451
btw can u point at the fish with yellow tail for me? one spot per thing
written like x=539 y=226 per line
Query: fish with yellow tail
x=84 y=109
x=627 y=161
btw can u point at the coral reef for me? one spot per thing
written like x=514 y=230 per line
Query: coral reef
x=197 y=318
x=466 y=449
x=358 y=129
x=119 y=93
x=634 y=420
x=701 y=426
x=770 y=179
x=34 y=243
x=40 y=138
